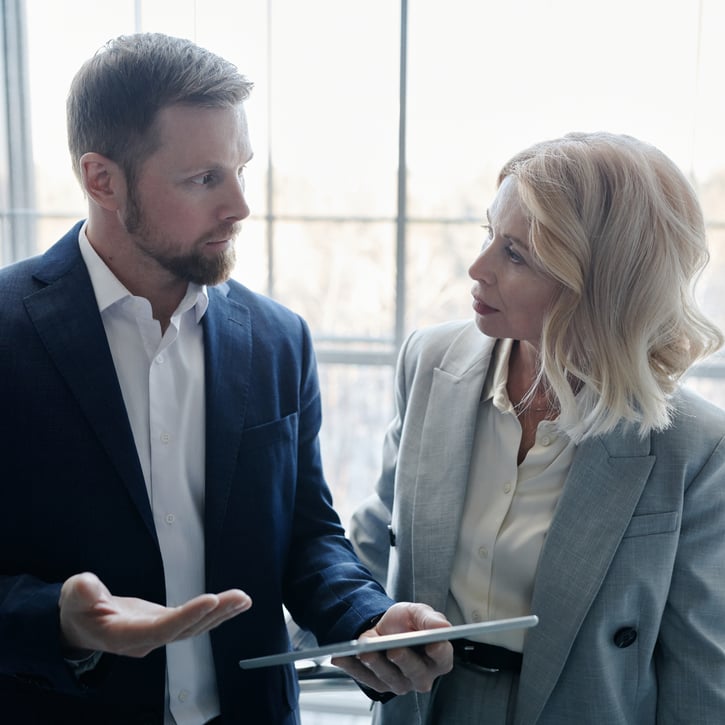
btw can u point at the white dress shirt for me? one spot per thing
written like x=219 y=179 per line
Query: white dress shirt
x=507 y=512
x=162 y=381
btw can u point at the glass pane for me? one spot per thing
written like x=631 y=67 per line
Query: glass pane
x=438 y=285
x=53 y=59
x=487 y=79
x=708 y=111
x=334 y=89
x=711 y=384
x=251 y=247
x=710 y=286
x=238 y=32
x=711 y=388
x=339 y=276
x=357 y=408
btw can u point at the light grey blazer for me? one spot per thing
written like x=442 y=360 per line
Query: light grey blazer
x=637 y=544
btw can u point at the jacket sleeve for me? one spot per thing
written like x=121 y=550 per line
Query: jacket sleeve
x=371 y=529
x=328 y=590
x=30 y=634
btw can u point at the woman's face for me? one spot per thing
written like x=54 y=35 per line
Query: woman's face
x=510 y=296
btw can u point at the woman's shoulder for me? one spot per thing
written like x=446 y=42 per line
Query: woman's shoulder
x=694 y=411
x=696 y=425
x=456 y=348
x=438 y=339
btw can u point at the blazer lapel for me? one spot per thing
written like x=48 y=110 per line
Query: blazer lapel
x=66 y=317
x=442 y=478
x=599 y=497
x=228 y=363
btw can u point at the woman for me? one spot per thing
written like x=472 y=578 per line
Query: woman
x=553 y=464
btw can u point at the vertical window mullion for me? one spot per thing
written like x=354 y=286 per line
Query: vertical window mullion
x=19 y=196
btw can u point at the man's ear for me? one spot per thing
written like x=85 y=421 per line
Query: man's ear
x=103 y=181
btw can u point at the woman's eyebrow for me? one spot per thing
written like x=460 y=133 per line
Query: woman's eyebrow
x=508 y=237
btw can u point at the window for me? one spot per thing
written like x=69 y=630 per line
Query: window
x=378 y=130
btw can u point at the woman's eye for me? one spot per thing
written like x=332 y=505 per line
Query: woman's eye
x=513 y=255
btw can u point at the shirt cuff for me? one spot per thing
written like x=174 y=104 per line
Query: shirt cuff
x=80 y=667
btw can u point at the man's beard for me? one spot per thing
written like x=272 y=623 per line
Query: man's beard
x=191 y=267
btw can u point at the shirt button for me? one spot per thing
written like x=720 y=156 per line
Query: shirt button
x=159 y=359
x=546 y=441
x=183 y=695
x=483 y=552
x=170 y=518
x=507 y=488
x=476 y=615
x=165 y=437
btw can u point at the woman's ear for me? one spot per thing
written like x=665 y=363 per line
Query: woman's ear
x=103 y=181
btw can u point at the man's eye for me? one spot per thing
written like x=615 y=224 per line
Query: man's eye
x=204 y=179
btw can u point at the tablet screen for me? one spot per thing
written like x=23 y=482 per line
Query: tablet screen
x=392 y=641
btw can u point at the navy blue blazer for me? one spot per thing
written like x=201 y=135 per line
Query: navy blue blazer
x=73 y=499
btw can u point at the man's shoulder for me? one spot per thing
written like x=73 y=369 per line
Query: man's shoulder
x=263 y=311
x=54 y=261
x=17 y=279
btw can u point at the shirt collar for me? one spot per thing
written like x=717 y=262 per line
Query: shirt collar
x=497 y=378
x=109 y=290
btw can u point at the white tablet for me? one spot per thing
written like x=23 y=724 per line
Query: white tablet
x=392 y=641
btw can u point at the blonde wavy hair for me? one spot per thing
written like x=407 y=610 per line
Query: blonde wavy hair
x=617 y=224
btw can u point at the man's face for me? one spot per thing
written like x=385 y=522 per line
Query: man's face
x=185 y=209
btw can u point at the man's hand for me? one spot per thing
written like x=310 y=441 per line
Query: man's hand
x=404 y=669
x=92 y=619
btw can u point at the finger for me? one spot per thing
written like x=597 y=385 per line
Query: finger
x=83 y=591
x=173 y=622
x=419 y=668
x=440 y=653
x=229 y=604
x=360 y=672
x=425 y=617
x=394 y=678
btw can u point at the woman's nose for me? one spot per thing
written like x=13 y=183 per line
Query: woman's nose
x=480 y=269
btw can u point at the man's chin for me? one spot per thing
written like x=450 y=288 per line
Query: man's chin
x=205 y=270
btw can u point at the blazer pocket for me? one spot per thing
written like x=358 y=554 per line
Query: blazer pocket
x=649 y=524
x=267 y=434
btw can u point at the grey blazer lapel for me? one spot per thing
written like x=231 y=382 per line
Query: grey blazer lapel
x=442 y=477
x=228 y=361
x=66 y=317
x=601 y=492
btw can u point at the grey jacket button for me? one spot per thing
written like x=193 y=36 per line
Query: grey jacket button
x=624 y=637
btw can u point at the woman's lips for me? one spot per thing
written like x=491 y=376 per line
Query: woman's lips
x=481 y=308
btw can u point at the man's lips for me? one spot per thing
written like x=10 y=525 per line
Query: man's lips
x=226 y=235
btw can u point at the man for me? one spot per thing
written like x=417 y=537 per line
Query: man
x=160 y=436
